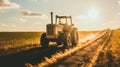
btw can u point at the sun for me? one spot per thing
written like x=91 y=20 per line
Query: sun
x=93 y=13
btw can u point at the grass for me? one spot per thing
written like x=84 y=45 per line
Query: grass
x=115 y=40
x=115 y=45
x=18 y=39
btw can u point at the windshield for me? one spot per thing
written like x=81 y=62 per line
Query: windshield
x=63 y=21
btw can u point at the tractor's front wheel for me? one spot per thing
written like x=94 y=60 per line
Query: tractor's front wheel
x=44 y=41
x=67 y=40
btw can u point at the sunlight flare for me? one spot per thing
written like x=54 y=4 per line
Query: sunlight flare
x=93 y=13
x=89 y=37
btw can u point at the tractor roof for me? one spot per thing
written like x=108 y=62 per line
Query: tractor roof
x=63 y=16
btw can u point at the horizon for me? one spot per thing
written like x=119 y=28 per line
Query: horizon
x=78 y=30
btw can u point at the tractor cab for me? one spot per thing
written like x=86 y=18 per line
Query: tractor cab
x=63 y=20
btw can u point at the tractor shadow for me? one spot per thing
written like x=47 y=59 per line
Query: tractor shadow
x=32 y=56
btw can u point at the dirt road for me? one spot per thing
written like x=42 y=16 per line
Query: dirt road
x=85 y=54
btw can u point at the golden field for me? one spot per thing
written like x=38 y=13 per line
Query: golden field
x=115 y=46
x=110 y=55
x=18 y=39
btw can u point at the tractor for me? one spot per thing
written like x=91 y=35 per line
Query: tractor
x=62 y=32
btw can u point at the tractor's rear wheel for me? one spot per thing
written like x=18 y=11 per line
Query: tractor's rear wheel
x=75 y=37
x=67 y=40
x=44 y=41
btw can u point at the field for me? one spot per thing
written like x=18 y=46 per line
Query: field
x=110 y=55
x=115 y=42
x=17 y=41
x=12 y=42
x=115 y=47
x=96 y=49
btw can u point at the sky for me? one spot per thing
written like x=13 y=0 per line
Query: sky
x=33 y=15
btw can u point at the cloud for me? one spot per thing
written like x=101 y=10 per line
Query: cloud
x=6 y=4
x=21 y=19
x=3 y=25
x=29 y=13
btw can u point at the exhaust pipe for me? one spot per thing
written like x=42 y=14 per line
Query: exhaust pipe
x=51 y=17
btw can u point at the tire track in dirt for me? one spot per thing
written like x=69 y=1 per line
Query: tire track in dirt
x=85 y=57
x=81 y=55
x=106 y=58
x=32 y=56
x=97 y=54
